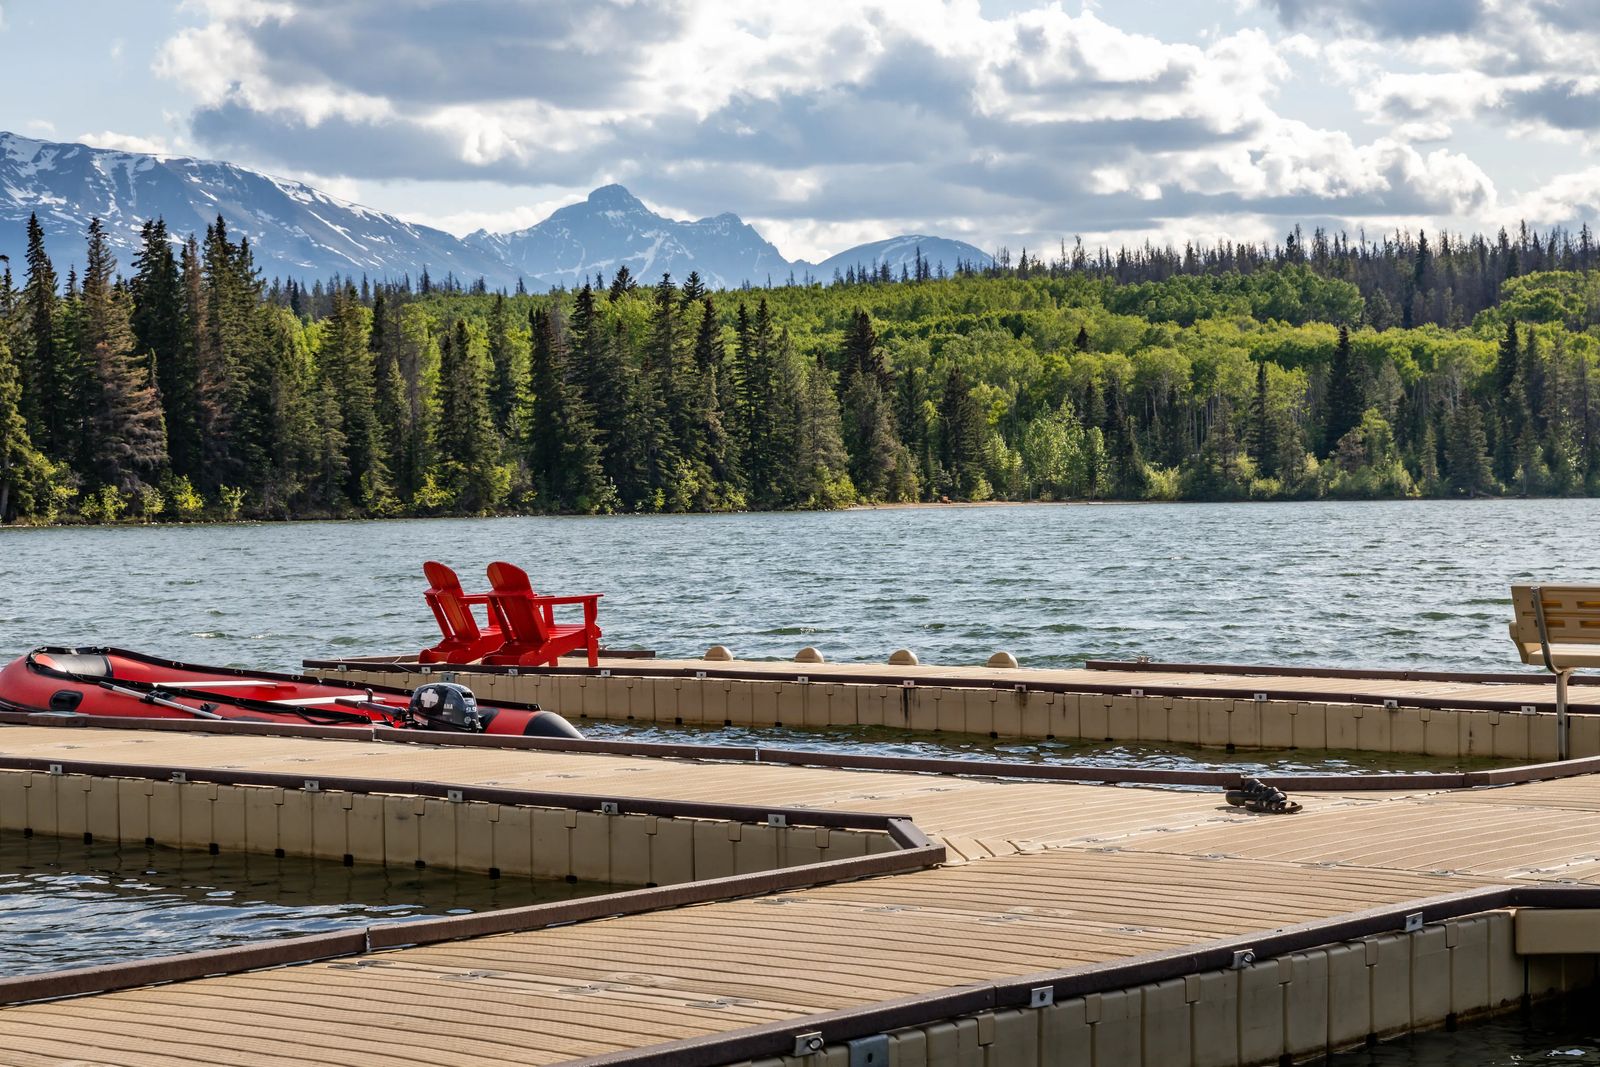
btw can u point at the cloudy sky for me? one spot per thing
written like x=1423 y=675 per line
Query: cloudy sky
x=1004 y=122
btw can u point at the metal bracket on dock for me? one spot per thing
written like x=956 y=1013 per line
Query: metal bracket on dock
x=1260 y=698
x=1528 y=709
x=808 y=1043
x=610 y=807
x=1136 y=692
x=605 y=672
x=1041 y=996
x=454 y=796
x=179 y=777
x=311 y=785
x=777 y=820
x=1243 y=958
x=1391 y=703
x=1413 y=922
x=802 y=678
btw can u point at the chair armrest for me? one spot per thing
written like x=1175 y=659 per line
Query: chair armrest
x=475 y=598
x=584 y=598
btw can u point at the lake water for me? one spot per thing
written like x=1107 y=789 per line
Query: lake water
x=1403 y=584
x=67 y=904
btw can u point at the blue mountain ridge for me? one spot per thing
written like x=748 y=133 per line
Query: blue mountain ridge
x=301 y=232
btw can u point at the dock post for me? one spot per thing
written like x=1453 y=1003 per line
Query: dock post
x=1563 y=727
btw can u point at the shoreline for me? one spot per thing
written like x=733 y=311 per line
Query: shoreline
x=913 y=505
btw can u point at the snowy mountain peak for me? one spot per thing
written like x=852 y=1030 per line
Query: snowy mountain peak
x=301 y=232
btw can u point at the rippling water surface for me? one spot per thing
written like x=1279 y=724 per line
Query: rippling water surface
x=1419 y=584
x=67 y=904
x=1565 y=1031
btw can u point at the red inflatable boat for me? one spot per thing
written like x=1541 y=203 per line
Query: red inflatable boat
x=113 y=682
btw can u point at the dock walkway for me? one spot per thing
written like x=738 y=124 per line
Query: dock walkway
x=1042 y=876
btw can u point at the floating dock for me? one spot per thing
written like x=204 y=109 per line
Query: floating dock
x=1442 y=714
x=824 y=916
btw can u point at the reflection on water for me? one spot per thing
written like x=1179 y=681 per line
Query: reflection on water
x=1408 y=583
x=1565 y=1031
x=889 y=741
x=67 y=904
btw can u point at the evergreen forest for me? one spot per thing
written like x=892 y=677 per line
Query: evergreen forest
x=185 y=386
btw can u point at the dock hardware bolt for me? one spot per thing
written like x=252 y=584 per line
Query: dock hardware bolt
x=700 y=674
x=1041 y=996
x=1136 y=692
x=1260 y=697
x=454 y=796
x=605 y=672
x=1528 y=709
x=311 y=785
x=801 y=678
x=448 y=676
x=1243 y=958
x=1391 y=703
x=1413 y=922
x=610 y=807
x=422 y=670
x=1019 y=687
x=777 y=820
x=908 y=684
x=511 y=672
x=808 y=1043
x=179 y=777
x=55 y=768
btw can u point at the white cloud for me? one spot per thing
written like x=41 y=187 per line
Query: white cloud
x=833 y=122
x=127 y=142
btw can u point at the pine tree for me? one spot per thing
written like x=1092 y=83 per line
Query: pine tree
x=694 y=290
x=49 y=372
x=346 y=360
x=564 y=458
x=20 y=464
x=508 y=363
x=603 y=376
x=126 y=440
x=1466 y=452
x=1346 y=395
x=465 y=435
x=158 y=324
x=622 y=283
x=819 y=463
x=878 y=461
x=716 y=446
x=961 y=432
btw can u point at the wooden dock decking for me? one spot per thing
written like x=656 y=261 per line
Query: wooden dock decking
x=1042 y=875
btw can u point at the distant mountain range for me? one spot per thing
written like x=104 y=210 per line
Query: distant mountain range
x=300 y=232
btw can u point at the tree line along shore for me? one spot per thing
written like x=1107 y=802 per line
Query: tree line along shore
x=191 y=388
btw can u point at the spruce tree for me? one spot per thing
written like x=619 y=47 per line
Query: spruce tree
x=818 y=470
x=563 y=456
x=465 y=435
x=48 y=367
x=347 y=361
x=159 y=326
x=126 y=441
x=508 y=367
x=1466 y=451
x=1346 y=394
x=961 y=432
x=20 y=464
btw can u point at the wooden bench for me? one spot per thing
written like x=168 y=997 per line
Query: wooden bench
x=1558 y=628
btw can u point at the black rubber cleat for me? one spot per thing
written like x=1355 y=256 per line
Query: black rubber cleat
x=1261 y=798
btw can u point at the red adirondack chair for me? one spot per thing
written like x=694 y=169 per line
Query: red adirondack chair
x=464 y=640
x=527 y=620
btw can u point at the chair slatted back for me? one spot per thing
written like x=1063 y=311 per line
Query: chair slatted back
x=448 y=601
x=513 y=599
x=1571 y=617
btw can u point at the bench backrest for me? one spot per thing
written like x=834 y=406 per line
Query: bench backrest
x=1571 y=617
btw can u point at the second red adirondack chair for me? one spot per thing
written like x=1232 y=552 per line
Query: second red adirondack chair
x=464 y=640
x=527 y=620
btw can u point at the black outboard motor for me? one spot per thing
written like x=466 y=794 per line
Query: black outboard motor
x=444 y=706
